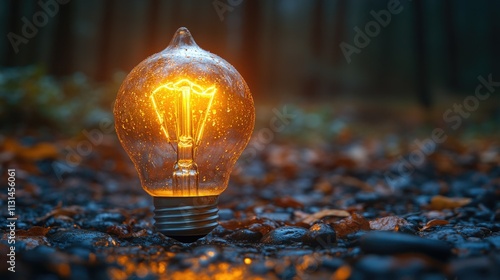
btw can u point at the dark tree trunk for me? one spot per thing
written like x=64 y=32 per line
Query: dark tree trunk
x=451 y=45
x=105 y=41
x=313 y=82
x=249 y=51
x=422 y=80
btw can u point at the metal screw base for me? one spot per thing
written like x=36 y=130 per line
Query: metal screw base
x=186 y=219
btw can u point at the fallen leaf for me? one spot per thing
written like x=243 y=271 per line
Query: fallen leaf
x=433 y=223
x=122 y=231
x=440 y=202
x=34 y=231
x=351 y=224
x=309 y=219
x=69 y=211
x=388 y=223
x=255 y=224
x=287 y=202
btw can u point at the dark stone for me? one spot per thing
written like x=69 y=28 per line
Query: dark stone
x=332 y=263
x=260 y=268
x=408 y=228
x=284 y=235
x=276 y=216
x=352 y=239
x=245 y=235
x=111 y=217
x=475 y=268
x=494 y=240
x=473 y=248
x=388 y=267
x=82 y=238
x=376 y=266
x=445 y=234
x=388 y=243
x=322 y=235
x=152 y=239
x=226 y=214
x=468 y=231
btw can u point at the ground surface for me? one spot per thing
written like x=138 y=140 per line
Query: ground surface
x=294 y=209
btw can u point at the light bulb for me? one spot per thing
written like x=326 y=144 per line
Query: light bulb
x=184 y=116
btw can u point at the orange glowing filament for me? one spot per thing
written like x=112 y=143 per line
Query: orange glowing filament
x=186 y=105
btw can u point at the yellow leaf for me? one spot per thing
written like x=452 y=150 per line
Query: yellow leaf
x=433 y=223
x=325 y=213
x=440 y=202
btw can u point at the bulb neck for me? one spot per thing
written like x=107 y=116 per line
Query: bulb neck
x=186 y=219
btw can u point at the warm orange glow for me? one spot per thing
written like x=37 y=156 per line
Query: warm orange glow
x=247 y=260
x=190 y=104
x=184 y=116
x=342 y=273
x=171 y=92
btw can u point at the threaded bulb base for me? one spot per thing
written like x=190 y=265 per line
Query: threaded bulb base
x=186 y=219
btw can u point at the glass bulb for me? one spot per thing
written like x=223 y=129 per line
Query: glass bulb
x=184 y=116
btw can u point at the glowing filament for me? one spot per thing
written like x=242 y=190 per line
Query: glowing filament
x=178 y=103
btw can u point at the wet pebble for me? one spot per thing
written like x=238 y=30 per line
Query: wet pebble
x=353 y=238
x=445 y=234
x=151 y=239
x=387 y=243
x=387 y=267
x=260 y=267
x=284 y=235
x=471 y=231
x=332 y=263
x=322 y=235
x=84 y=238
x=245 y=235
x=473 y=248
x=111 y=216
x=494 y=240
x=226 y=214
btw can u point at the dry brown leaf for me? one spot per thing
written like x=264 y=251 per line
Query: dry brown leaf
x=69 y=211
x=324 y=213
x=433 y=223
x=34 y=231
x=388 y=223
x=351 y=224
x=287 y=202
x=440 y=202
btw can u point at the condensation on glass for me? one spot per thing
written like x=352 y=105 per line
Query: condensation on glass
x=184 y=116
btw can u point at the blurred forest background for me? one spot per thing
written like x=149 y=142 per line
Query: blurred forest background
x=288 y=51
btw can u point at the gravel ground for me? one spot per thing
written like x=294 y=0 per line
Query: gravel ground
x=291 y=211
